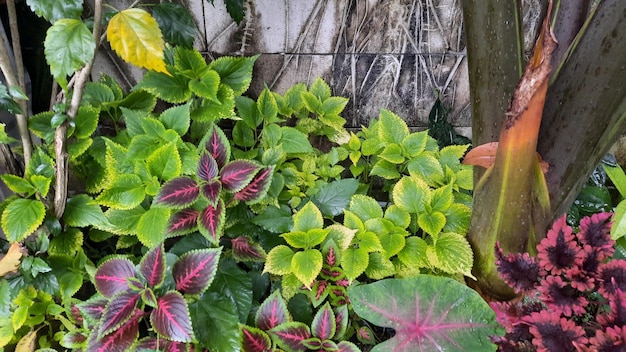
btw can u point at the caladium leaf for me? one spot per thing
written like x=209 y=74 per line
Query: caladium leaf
x=257 y=188
x=207 y=167
x=428 y=313
x=171 y=318
x=183 y=222
x=211 y=221
x=92 y=309
x=211 y=191
x=324 y=323
x=194 y=271
x=152 y=266
x=217 y=145
x=118 y=341
x=245 y=250
x=180 y=192
x=255 y=340
x=272 y=312
x=118 y=311
x=237 y=174
x=111 y=276
x=289 y=336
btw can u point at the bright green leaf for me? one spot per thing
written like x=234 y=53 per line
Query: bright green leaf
x=53 y=10
x=391 y=128
x=176 y=118
x=124 y=222
x=18 y=184
x=415 y=143
x=67 y=243
x=379 y=267
x=294 y=141
x=278 y=261
x=235 y=71
x=413 y=254
x=165 y=162
x=398 y=216
x=619 y=221
x=306 y=265
x=82 y=211
x=152 y=225
x=432 y=223
x=457 y=218
x=207 y=85
x=369 y=242
x=172 y=89
x=307 y=218
x=320 y=89
x=365 y=207
x=124 y=192
x=86 y=121
x=426 y=167
x=385 y=169
x=334 y=105
x=354 y=261
x=442 y=198
x=411 y=194
x=332 y=198
x=454 y=254
x=21 y=218
x=392 y=153
x=266 y=104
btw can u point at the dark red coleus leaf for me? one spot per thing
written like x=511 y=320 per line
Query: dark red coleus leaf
x=73 y=339
x=612 y=339
x=323 y=325
x=152 y=266
x=111 y=276
x=290 y=336
x=518 y=270
x=154 y=344
x=341 y=321
x=560 y=297
x=211 y=191
x=255 y=340
x=555 y=334
x=272 y=312
x=195 y=270
x=237 y=174
x=179 y=192
x=120 y=309
x=171 y=318
x=595 y=231
x=211 y=221
x=207 y=167
x=559 y=251
x=257 y=188
x=217 y=145
x=119 y=340
x=612 y=277
x=247 y=251
x=92 y=309
x=183 y=222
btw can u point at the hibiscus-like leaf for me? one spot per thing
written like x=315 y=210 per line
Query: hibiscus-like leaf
x=183 y=222
x=195 y=270
x=179 y=192
x=111 y=276
x=152 y=266
x=211 y=221
x=120 y=309
x=207 y=167
x=272 y=312
x=171 y=318
x=237 y=174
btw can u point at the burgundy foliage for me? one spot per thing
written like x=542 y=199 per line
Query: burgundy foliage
x=245 y=250
x=179 y=192
x=183 y=222
x=572 y=293
x=237 y=174
x=194 y=271
x=111 y=277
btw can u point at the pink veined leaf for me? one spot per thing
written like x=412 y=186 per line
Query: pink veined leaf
x=92 y=309
x=152 y=266
x=255 y=340
x=195 y=270
x=315 y=344
x=179 y=192
x=323 y=325
x=341 y=321
x=152 y=343
x=211 y=191
x=245 y=250
x=347 y=346
x=120 y=309
x=118 y=341
x=74 y=339
x=183 y=222
x=257 y=188
x=272 y=312
x=211 y=221
x=171 y=318
x=217 y=145
x=111 y=276
x=207 y=167
x=237 y=174
x=290 y=335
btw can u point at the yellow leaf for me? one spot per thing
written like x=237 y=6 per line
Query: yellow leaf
x=11 y=260
x=135 y=36
x=27 y=343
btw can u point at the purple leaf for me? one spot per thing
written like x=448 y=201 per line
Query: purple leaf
x=119 y=310
x=207 y=167
x=428 y=313
x=111 y=276
x=152 y=343
x=171 y=318
x=289 y=336
x=237 y=174
x=211 y=221
x=272 y=312
x=152 y=266
x=179 y=192
x=92 y=309
x=324 y=324
x=341 y=321
x=195 y=270
x=211 y=191
x=118 y=341
x=255 y=340
x=217 y=145
x=246 y=251
x=257 y=188
x=183 y=222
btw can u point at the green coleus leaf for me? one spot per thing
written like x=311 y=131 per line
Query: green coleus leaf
x=413 y=254
x=311 y=102
x=365 y=207
x=170 y=88
x=398 y=216
x=334 y=105
x=379 y=267
x=124 y=222
x=278 y=261
x=391 y=128
x=67 y=243
x=369 y=241
x=82 y=211
x=176 y=118
x=152 y=225
x=454 y=254
x=332 y=198
x=123 y=192
x=426 y=167
x=266 y=105
x=189 y=62
x=457 y=218
x=415 y=143
x=442 y=198
x=236 y=72
x=68 y=46
x=354 y=261
x=385 y=169
x=207 y=85
x=306 y=265
x=308 y=239
x=392 y=243
x=18 y=184
x=176 y=23
x=307 y=218
x=451 y=156
x=341 y=235
x=165 y=162
x=294 y=141
x=411 y=194
x=392 y=153
x=86 y=121
x=431 y=222
x=53 y=10
x=22 y=217
x=320 y=89
x=116 y=160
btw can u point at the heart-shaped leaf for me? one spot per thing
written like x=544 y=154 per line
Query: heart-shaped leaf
x=55 y=10
x=306 y=265
x=272 y=312
x=171 y=318
x=120 y=309
x=211 y=191
x=152 y=266
x=21 y=218
x=428 y=313
x=194 y=271
x=179 y=192
x=111 y=276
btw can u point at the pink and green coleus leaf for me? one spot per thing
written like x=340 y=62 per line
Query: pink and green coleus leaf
x=211 y=191
x=92 y=309
x=347 y=346
x=218 y=146
x=179 y=192
x=183 y=222
x=155 y=344
x=257 y=188
x=118 y=311
x=195 y=270
x=237 y=174
x=272 y=312
x=341 y=321
x=152 y=266
x=171 y=318
x=428 y=313
x=290 y=336
x=247 y=251
x=211 y=221
x=324 y=323
x=119 y=340
x=255 y=340
x=207 y=167
x=111 y=276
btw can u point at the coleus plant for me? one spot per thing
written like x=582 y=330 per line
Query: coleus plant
x=275 y=327
x=574 y=296
x=151 y=292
